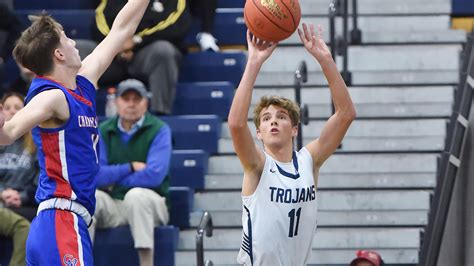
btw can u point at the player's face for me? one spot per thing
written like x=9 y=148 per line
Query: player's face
x=70 y=55
x=275 y=127
x=131 y=106
x=11 y=106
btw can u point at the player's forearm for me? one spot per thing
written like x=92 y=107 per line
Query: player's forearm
x=7 y=135
x=339 y=92
x=127 y=20
x=243 y=96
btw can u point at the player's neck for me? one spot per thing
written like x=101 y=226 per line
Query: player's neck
x=65 y=76
x=281 y=154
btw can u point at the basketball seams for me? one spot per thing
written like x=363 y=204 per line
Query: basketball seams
x=291 y=14
x=269 y=19
x=253 y=29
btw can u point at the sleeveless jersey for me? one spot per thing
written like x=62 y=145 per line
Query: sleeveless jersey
x=67 y=155
x=279 y=218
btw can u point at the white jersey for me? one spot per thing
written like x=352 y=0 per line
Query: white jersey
x=279 y=219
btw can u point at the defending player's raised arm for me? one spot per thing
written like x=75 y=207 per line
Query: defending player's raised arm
x=251 y=157
x=123 y=28
x=336 y=127
x=44 y=106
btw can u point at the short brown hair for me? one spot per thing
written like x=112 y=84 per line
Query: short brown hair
x=35 y=47
x=292 y=108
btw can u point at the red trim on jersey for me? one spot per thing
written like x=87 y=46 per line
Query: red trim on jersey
x=66 y=238
x=52 y=159
x=78 y=97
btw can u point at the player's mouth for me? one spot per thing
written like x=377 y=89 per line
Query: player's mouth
x=274 y=130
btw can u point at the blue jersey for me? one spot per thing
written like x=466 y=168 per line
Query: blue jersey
x=67 y=155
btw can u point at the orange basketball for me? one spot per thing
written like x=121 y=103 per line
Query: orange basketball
x=272 y=20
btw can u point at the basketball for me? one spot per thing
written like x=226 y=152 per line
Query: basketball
x=272 y=20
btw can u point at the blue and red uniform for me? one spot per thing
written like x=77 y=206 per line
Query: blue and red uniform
x=68 y=162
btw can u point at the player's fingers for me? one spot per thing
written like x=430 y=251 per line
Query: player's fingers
x=249 y=38
x=320 y=31
x=311 y=27
x=300 y=33
x=306 y=32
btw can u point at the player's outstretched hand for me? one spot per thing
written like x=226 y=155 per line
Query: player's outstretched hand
x=314 y=43
x=259 y=50
x=2 y=117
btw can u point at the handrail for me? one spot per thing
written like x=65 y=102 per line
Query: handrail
x=205 y=226
x=450 y=160
x=339 y=45
x=356 y=33
x=301 y=76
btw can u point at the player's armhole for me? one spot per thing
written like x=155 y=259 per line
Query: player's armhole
x=265 y=168
x=305 y=152
x=63 y=126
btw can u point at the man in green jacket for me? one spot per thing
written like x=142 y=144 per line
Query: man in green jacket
x=135 y=152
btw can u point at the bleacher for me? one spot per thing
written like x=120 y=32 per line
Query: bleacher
x=374 y=192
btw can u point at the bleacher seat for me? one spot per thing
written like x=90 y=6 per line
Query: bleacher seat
x=6 y=248
x=204 y=98
x=210 y=66
x=226 y=20
x=77 y=23
x=188 y=168
x=230 y=3
x=182 y=204
x=115 y=246
x=53 y=4
x=196 y=132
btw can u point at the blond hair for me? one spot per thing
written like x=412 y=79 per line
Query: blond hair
x=290 y=106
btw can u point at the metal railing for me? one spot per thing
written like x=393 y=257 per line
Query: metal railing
x=450 y=160
x=301 y=76
x=339 y=44
x=205 y=226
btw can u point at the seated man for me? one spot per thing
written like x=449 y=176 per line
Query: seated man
x=16 y=227
x=135 y=152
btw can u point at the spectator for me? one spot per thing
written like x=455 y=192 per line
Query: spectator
x=18 y=165
x=367 y=258
x=22 y=83
x=155 y=52
x=205 y=11
x=10 y=30
x=14 y=226
x=135 y=153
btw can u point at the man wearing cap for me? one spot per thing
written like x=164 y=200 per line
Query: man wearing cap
x=367 y=258
x=135 y=152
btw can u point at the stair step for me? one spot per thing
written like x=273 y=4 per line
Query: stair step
x=330 y=218
x=347 y=163
x=325 y=238
x=364 y=7
x=374 y=58
x=370 y=135
x=318 y=256
x=347 y=180
x=329 y=200
x=372 y=101
x=361 y=77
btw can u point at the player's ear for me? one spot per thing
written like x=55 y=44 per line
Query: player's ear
x=58 y=54
x=294 y=131
x=259 y=135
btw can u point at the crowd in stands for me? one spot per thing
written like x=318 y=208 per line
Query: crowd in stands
x=135 y=145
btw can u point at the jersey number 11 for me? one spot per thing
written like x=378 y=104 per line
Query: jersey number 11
x=293 y=230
